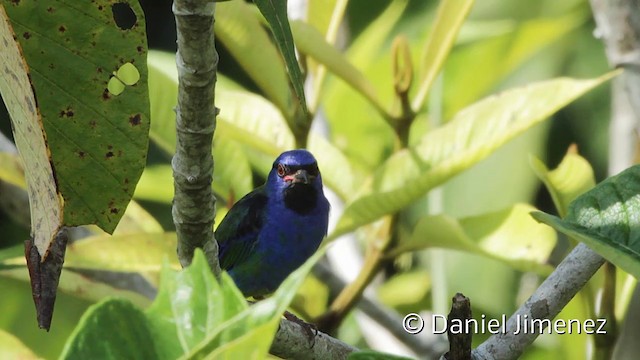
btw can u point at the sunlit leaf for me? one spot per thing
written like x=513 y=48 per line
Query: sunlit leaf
x=470 y=137
x=510 y=235
x=451 y=14
x=571 y=178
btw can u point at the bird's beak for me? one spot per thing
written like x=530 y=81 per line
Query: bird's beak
x=301 y=176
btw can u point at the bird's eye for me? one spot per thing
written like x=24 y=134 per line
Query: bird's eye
x=282 y=171
x=314 y=171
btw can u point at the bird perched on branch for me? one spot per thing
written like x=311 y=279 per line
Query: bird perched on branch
x=275 y=228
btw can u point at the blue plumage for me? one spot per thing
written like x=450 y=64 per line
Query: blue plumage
x=275 y=228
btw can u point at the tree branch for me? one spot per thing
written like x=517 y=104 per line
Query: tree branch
x=545 y=303
x=618 y=25
x=292 y=342
x=197 y=60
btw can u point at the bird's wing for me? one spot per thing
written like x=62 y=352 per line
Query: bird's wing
x=238 y=232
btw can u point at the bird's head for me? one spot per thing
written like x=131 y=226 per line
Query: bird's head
x=296 y=174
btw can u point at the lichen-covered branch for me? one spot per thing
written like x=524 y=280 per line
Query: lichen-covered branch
x=292 y=342
x=194 y=203
x=545 y=303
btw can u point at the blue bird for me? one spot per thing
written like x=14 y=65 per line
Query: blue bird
x=275 y=228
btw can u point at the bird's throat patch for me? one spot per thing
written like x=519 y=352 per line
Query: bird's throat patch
x=301 y=198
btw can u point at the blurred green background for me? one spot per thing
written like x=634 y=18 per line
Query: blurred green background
x=503 y=44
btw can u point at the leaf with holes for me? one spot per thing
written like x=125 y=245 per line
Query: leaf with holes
x=607 y=218
x=98 y=139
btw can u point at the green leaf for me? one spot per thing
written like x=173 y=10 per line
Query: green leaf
x=470 y=137
x=114 y=328
x=312 y=43
x=208 y=305
x=14 y=349
x=571 y=178
x=607 y=218
x=509 y=235
x=26 y=123
x=254 y=328
x=98 y=141
x=240 y=31
x=192 y=316
x=451 y=14
x=275 y=11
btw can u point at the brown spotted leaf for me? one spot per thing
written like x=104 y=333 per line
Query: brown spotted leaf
x=45 y=202
x=87 y=61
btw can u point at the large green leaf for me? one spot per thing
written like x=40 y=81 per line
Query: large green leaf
x=193 y=316
x=451 y=14
x=571 y=178
x=471 y=136
x=98 y=140
x=276 y=14
x=509 y=235
x=240 y=31
x=607 y=218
